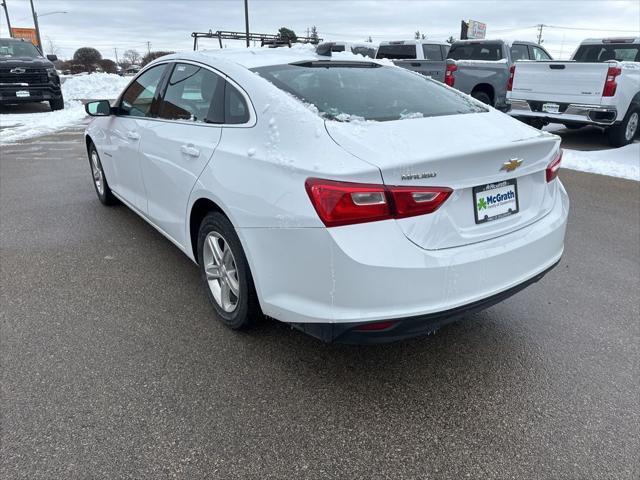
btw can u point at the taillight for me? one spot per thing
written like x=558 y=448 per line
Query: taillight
x=412 y=201
x=449 y=77
x=610 y=84
x=345 y=203
x=512 y=74
x=553 y=167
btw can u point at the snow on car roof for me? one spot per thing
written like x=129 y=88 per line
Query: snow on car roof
x=414 y=41
x=255 y=57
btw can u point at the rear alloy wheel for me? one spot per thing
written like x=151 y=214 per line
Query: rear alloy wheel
x=225 y=272
x=624 y=133
x=483 y=97
x=99 y=180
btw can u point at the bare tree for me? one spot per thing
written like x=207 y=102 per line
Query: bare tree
x=133 y=57
x=419 y=36
x=53 y=48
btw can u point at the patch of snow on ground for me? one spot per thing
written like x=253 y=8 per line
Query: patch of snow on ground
x=618 y=162
x=21 y=126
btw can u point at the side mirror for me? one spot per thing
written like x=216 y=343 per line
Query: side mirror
x=52 y=58
x=99 y=108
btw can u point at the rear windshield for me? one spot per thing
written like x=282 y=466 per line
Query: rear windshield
x=476 y=51
x=13 y=49
x=396 y=52
x=605 y=53
x=366 y=91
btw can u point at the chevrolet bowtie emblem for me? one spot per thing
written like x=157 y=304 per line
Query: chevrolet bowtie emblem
x=511 y=165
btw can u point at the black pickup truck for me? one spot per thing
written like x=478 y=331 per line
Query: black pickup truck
x=26 y=76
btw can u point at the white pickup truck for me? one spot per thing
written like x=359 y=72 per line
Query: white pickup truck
x=600 y=85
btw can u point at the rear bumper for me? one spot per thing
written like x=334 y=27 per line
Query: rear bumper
x=574 y=113
x=404 y=328
x=371 y=272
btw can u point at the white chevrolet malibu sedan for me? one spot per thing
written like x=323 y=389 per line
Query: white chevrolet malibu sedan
x=355 y=200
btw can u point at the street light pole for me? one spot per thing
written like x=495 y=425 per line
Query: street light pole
x=6 y=12
x=35 y=23
x=246 y=20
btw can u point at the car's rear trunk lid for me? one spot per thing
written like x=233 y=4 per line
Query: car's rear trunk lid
x=460 y=152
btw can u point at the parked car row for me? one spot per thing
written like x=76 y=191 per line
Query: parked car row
x=600 y=85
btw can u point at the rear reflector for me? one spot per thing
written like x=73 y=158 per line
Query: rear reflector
x=512 y=74
x=610 y=85
x=553 y=167
x=449 y=77
x=376 y=326
x=346 y=203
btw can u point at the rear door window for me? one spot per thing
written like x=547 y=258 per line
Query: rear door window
x=236 y=108
x=397 y=52
x=538 y=54
x=432 y=52
x=194 y=94
x=519 y=52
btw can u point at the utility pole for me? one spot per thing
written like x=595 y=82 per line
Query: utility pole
x=116 y=52
x=540 y=27
x=149 y=47
x=246 y=20
x=35 y=23
x=6 y=12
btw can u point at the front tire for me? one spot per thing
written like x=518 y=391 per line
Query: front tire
x=105 y=195
x=624 y=133
x=225 y=273
x=56 y=104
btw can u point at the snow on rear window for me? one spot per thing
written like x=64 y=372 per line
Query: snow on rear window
x=366 y=91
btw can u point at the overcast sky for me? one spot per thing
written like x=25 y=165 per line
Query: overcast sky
x=167 y=24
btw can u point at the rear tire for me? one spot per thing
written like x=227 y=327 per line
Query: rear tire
x=225 y=272
x=56 y=104
x=482 y=97
x=624 y=133
x=105 y=195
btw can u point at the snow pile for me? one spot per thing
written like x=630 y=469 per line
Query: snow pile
x=18 y=126
x=618 y=162
x=96 y=86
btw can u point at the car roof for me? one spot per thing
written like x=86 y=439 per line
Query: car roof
x=261 y=57
x=600 y=41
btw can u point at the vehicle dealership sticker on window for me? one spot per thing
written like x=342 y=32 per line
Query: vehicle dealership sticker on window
x=22 y=93
x=550 y=107
x=495 y=200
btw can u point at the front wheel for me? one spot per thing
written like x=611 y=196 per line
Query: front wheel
x=99 y=180
x=56 y=104
x=225 y=273
x=624 y=133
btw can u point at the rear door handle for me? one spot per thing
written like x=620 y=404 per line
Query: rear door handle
x=133 y=135
x=190 y=150
x=415 y=64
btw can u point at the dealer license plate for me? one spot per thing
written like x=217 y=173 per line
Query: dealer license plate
x=550 y=107
x=22 y=94
x=495 y=200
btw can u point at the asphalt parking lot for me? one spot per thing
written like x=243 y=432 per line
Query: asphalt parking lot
x=112 y=366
